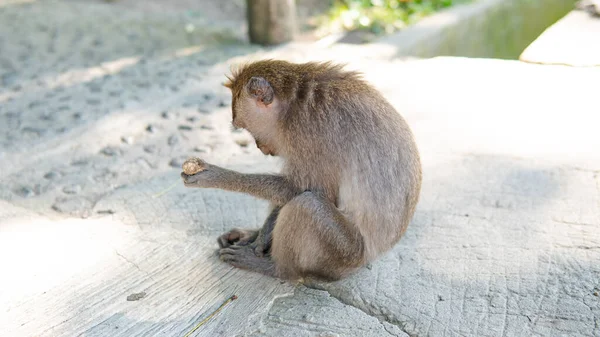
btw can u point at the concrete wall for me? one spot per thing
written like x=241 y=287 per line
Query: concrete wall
x=487 y=28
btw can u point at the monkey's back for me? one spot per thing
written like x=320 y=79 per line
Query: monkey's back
x=379 y=189
x=351 y=143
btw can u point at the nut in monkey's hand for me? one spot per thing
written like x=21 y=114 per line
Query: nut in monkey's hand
x=193 y=166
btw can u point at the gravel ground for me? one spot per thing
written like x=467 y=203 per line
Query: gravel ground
x=124 y=95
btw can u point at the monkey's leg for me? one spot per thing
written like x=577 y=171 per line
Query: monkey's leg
x=262 y=244
x=311 y=238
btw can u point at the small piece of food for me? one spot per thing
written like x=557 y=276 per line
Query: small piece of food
x=193 y=166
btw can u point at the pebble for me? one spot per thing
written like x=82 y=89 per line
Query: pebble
x=224 y=103
x=72 y=189
x=110 y=151
x=93 y=101
x=185 y=127
x=207 y=127
x=144 y=163
x=79 y=162
x=9 y=79
x=150 y=128
x=204 y=110
x=202 y=149
x=46 y=116
x=166 y=115
x=25 y=192
x=105 y=175
x=150 y=148
x=127 y=140
x=143 y=84
x=52 y=175
x=173 y=140
x=76 y=206
x=177 y=162
x=95 y=87
x=190 y=102
x=97 y=42
x=36 y=131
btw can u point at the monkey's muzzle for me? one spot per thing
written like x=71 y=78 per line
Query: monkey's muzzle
x=266 y=150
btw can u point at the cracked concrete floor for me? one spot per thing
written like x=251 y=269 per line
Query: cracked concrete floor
x=95 y=120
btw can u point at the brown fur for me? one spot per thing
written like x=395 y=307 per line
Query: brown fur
x=351 y=178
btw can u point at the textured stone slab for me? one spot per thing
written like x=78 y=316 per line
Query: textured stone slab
x=573 y=41
x=505 y=241
x=312 y=312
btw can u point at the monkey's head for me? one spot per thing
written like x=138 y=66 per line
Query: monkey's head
x=255 y=108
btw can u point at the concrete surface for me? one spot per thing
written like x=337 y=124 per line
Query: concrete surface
x=505 y=242
x=572 y=41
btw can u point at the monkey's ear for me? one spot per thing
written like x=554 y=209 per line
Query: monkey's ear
x=261 y=90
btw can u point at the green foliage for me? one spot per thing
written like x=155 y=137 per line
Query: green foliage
x=382 y=16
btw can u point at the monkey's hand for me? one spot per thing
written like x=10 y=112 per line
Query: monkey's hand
x=274 y=188
x=198 y=173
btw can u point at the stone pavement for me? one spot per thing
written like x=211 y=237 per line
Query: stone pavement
x=94 y=124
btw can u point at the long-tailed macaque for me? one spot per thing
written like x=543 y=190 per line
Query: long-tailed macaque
x=351 y=177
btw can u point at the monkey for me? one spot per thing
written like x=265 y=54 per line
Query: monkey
x=351 y=175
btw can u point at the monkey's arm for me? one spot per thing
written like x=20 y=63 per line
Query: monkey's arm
x=274 y=188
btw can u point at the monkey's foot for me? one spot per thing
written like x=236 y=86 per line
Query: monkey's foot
x=237 y=236
x=243 y=257
x=259 y=246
